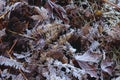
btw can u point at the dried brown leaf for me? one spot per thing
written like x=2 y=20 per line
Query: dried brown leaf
x=86 y=29
x=42 y=14
x=55 y=54
x=58 y=10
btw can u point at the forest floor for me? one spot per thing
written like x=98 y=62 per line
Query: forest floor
x=59 y=39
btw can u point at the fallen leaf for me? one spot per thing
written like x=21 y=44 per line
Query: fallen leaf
x=107 y=66
x=42 y=14
x=89 y=69
x=89 y=57
x=55 y=54
x=58 y=10
x=114 y=32
x=86 y=29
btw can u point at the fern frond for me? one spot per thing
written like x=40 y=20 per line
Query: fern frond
x=12 y=63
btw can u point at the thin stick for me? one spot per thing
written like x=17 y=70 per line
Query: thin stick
x=23 y=74
x=9 y=52
x=22 y=35
x=3 y=15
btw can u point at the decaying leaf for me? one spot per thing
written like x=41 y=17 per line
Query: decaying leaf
x=114 y=32
x=86 y=29
x=59 y=39
x=108 y=66
x=43 y=14
x=89 y=69
x=58 y=10
x=89 y=57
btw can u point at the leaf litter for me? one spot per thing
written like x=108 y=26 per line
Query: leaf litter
x=59 y=40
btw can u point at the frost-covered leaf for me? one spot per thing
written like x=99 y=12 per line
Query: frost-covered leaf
x=62 y=71
x=107 y=66
x=5 y=74
x=89 y=57
x=19 y=77
x=114 y=32
x=89 y=69
x=94 y=45
x=57 y=9
x=12 y=63
x=42 y=14
x=76 y=72
x=52 y=34
x=22 y=55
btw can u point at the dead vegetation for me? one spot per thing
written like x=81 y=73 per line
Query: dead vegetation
x=59 y=40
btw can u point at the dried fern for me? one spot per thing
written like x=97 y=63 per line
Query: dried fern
x=12 y=63
x=50 y=31
x=6 y=75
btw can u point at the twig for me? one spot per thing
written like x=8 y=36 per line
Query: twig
x=2 y=16
x=23 y=74
x=9 y=52
x=12 y=46
x=22 y=35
